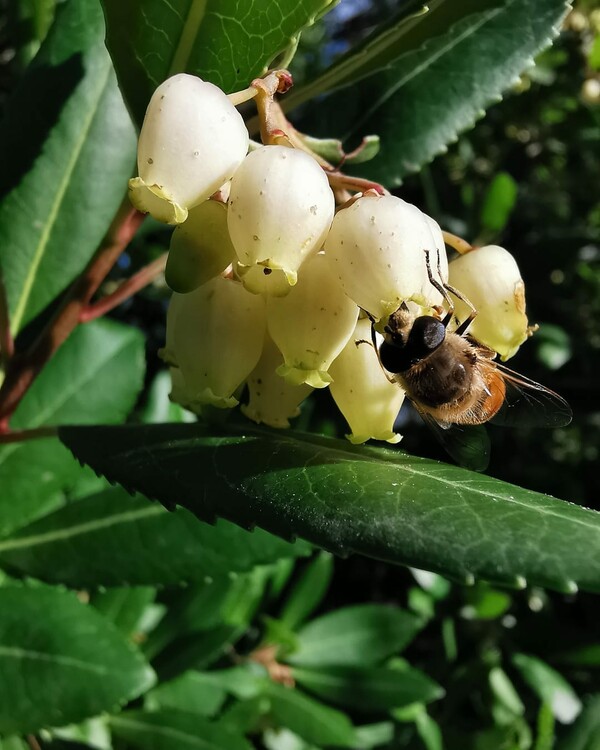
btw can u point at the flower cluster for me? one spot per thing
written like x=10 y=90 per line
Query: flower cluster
x=276 y=289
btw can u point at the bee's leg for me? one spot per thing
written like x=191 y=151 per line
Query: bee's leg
x=463 y=327
x=440 y=288
x=447 y=290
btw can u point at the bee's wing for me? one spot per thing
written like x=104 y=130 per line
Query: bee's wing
x=469 y=445
x=530 y=403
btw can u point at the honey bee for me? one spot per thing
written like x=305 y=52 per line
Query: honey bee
x=452 y=380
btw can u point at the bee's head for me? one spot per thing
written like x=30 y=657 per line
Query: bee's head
x=399 y=352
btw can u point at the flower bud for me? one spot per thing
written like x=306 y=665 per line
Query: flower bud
x=200 y=248
x=192 y=141
x=312 y=324
x=280 y=210
x=360 y=388
x=214 y=336
x=377 y=249
x=490 y=278
x=273 y=401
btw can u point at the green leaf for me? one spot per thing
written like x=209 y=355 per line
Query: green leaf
x=549 y=686
x=193 y=691
x=309 y=718
x=110 y=539
x=12 y=743
x=124 y=606
x=94 y=376
x=60 y=661
x=67 y=147
x=462 y=58
x=360 y=635
x=93 y=733
x=369 y=689
x=498 y=203
x=196 y=651
x=166 y=730
x=507 y=703
x=309 y=591
x=585 y=732
x=376 y=501
x=222 y=41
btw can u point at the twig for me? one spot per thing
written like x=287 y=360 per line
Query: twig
x=7 y=345
x=21 y=436
x=33 y=743
x=127 y=289
x=24 y=368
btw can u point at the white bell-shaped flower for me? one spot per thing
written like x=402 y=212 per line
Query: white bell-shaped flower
x=362 y=392
x=192 y=141
x=214 y=337
x=490 y=279
x=377 y=248
x=280 y=210
x=200 y=248
x=273 y=401
x=179 y=392
x=312 y=324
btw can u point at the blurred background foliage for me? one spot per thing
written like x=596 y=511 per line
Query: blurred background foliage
x=525 y=177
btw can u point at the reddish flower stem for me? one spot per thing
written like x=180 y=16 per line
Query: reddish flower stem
x=127 y=289
x=21 y=436
x=7 y=345
x=25 y=367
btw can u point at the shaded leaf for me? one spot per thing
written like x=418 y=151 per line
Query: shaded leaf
x=193 y=691
x=360 y=635
x=309 y=718
x=464 y=57
x=222 y=41
x=124 y=606
x=550 y=687
x=64 y=666
x=308 y=591
x=166 y=730
x=369 y=689
x=376 y=501
x=67 y=147
x=585 y=732
x=94 y=376
x=196 y=651
x=111 y=539
x=498 y=203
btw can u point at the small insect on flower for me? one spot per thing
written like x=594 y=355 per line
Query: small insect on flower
x=453 y=381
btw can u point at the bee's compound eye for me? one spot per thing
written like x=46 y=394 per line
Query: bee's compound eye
x=394 y=358
x=427 y=334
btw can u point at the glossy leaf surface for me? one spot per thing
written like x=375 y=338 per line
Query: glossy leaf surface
x=457 y=61
x=376 y=501
x=60 y=661
x=112 y=538
x=95 y=375
x=223 y=41
x=67 y=147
